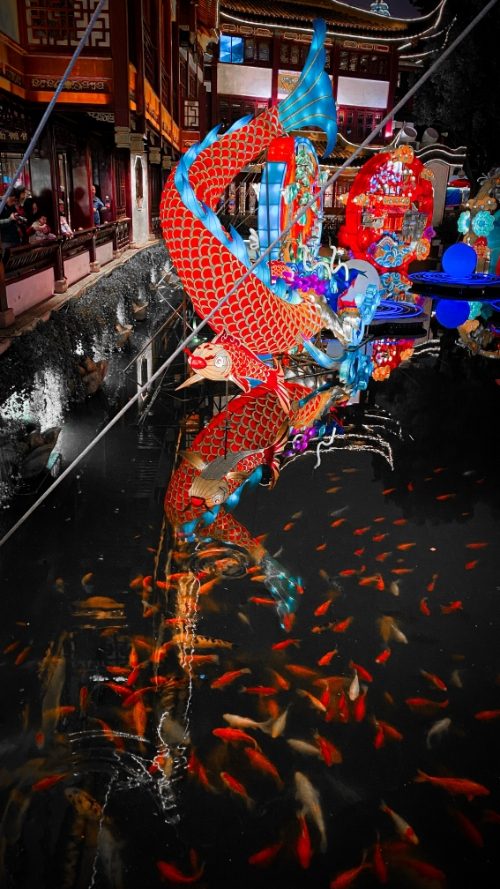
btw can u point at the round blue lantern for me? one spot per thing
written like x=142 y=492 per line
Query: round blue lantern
x=452 y=312
x=459 y=260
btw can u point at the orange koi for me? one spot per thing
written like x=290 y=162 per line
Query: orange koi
x=379 y=518
x=478 y=545
x=258 y=578
x=207 y=587
x=109 y=734
x=424 y=608
x=316 y=703
x=337 y=523
x=379 y=739
x=280 y=680
x=136 y=583
x=196 y=768
x=400 y=522
x=194 y=660
x=279 y=646
x=259 y=761
x=384 y=656
x=469 y=830
x=390 y=731
x=159 y=653
x=333 y=490
x=262 y=600
x=359 y=552
x=432 y=583
x=401 y=571
x=174 y=875
x=323 y=608
x=321 y=548
x=325 y=660
x=330 y=753
x=11 y=647
x=265 y=856
x=470 y=565
x=445 y=496
x=388 y=491
x=348 y=572
x=342 y=625
x=133 y=698
x=434 y=680
x=57 y=712
x=405 y=546
x=228 y=678
x=347 y=877
x=359 y=531
x=235 y=787
x=303 y=672
x=263 y=690
x=486 y=715
x=379 y=537
x=303 y=846
x=118 y=671
x=133 y=676
x=424 y=705
x=457 y=605
x=47 y=783
x=234 y=736
x=426 y=870
x=359 y=707
x=382 y=556
x=469 y=789
x=20 y=659
x=288 y=526
x=375 y=580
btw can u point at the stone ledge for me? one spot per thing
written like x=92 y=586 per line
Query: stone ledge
x=42 y=311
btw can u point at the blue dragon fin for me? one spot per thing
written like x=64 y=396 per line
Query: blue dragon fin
x=311 y=103
x=318 y=356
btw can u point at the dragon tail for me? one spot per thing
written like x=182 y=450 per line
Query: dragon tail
x=311 y=103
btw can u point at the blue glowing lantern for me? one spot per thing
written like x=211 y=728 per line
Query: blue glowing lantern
x=452 y=312
x=459 y=260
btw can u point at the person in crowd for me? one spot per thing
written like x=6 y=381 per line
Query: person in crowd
x=64 y=225
x=40 y=231
x=97 y=206
x=10 y=224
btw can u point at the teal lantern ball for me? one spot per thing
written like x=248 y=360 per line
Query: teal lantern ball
x=459 y=260
x=452 y=312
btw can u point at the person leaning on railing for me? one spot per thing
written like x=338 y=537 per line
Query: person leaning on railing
x=10 y=223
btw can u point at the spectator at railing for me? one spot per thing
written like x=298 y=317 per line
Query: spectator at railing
x=64 y=225
x=10 y=222
x=97 y=206
x=40 y=231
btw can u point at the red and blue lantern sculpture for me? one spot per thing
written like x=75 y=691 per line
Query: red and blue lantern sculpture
x=267 y=321
x=389 y=214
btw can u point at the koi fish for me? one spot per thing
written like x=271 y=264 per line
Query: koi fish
x=428 y=871
x=280 y=646
x=487 y=715
x=234 y=735
x=259 y=761
x=174 y=875
x=330 y=753
x=470 y=565
x=236 y=787
x=462 y=786
x=423 y=606
x=47 y=783
x=347 y=877
x=384 y=656
x=457 y=605
x=303 y=846
x=308 y=796
x=228 y=678
x=434 y=680
x=265 y=856
x=342 y=625
x=404 y=829
x=325 y=660
x=424 y=705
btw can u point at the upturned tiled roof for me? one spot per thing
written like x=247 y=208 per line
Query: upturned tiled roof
x=338 y=15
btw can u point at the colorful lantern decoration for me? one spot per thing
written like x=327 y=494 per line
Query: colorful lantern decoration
x=387 y=354
x=477 y=223
x=389 y=213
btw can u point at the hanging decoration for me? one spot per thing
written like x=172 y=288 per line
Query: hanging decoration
x=479 y=223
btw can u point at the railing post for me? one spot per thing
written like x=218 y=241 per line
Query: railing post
x=95 y=266
x=60 y=282
x=7 y=317
x=116 y=249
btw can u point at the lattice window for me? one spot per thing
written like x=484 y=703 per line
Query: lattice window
x=191 y=114
x=63 y=23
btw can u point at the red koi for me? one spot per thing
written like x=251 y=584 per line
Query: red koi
x=404 y=829
x=263 y=690
x=359 y=552
x=478 y=545
x=234 y=736
x=342 y=625
x=434 y=680
x=469 y=830
x=382 y=556
x=303 y=846
x=388 y=491
x=424 y=705
x=347 y=572
x=347 y=877
x=263 y=764
x=330 y=753
x=404 y=547
x=235 y=787
x=337 y=523
x=47 y=783
x=469 y=789
x=486 y=715
x=384 y=656
x=279 y=646
x=457 y=605
x=302 y=672
x=400 y=522
x=358 y=532
x=228 y=678
x=265 y=856
x=379 y=537
x=470 y=565
x=426 y=870
x=323 y=608
x=379 y=865
x=432 y=583
x=362 y=673
x=424 y=608
x=196 y=768
x=132 y=699
x=174 y=875
x=325 y=660
x=445 y=496
x=20 y=659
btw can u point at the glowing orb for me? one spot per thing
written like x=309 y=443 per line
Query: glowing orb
x=452 y=312
x=459 y=260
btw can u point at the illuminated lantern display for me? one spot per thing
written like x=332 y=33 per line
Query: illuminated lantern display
x=387 y=354
x=388 y=215
x=289 y=180
x=478 y=223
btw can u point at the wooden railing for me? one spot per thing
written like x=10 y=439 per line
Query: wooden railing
x=21 y=262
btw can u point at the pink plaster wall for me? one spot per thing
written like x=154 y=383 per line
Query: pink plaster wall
x=76 y=267
x=104 y=253
x=21 y=295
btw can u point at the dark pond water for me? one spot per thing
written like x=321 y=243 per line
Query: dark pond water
x=111 y=774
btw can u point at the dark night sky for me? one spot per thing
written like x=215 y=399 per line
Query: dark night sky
x=399 y=8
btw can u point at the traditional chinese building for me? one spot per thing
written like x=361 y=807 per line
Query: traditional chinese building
x=133 y=103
